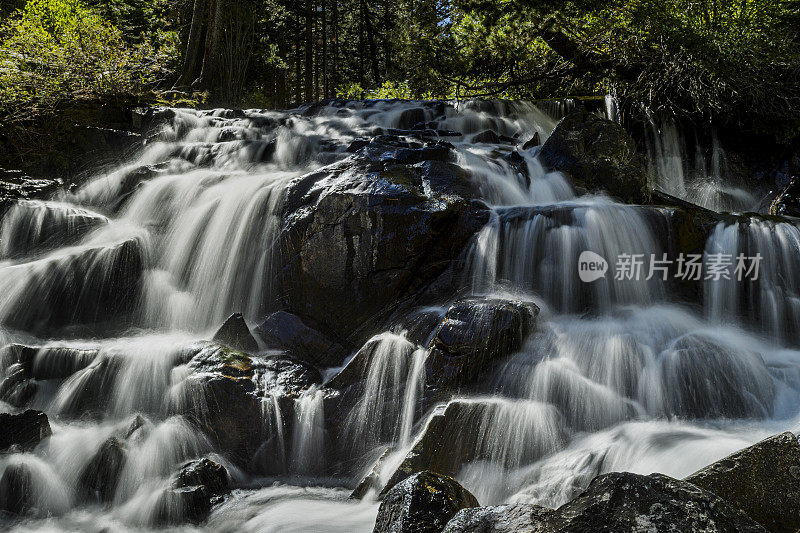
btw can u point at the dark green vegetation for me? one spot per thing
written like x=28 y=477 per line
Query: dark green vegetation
x=710 y=59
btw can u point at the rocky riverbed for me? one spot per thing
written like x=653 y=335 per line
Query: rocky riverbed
x=358 y=315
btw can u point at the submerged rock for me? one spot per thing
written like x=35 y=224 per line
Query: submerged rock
x=23 y=430
x=762 y=480
x=497 y=519
x=99 y=478
x=597 y=154
x=506 y=432
x=235 y=333
x=16 y=489
x=194 y=490
x=474 y=333
x=85 y=284
x=631 y=502
x=423 y=503
x=289 y=332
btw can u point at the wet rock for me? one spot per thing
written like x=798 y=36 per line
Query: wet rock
x=631 y=502
x=24 y=430
x=60 y=362
x=16 y=489
x=361 y=236
x=88 y=285
x=704 y=379
x=235 y=333
x=205 y=472
x=464 y=431
x=423 y=503
x=474 y=333
x=289 y=332
x=787 y=203
x=762 y=480
x=195 y=489
x=533 y=141
x=179 y=505
x=32 y=226
x=409 y=117
x=136 y=422
x=17 y=388
x=497 y=519
x=147 y=118
x=598 y=155
x=224 y=393
x=15 y=185
x=487 y=136
x=356 y=145
x=100 y=476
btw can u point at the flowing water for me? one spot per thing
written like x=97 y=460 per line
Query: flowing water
x=618 y=375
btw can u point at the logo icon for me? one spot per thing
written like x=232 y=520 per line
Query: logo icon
x=591 y=266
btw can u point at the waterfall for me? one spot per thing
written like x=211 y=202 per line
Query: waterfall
x=110 y=293
x=537 y=249
x=394 y=379
x=703 y=178
x=308 y=437
x=763 y=296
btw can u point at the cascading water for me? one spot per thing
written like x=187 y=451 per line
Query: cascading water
x=704 y=178
x=108 y=296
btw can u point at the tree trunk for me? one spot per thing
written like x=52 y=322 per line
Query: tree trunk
x=309 y=73
x=193 y=45
x=325 y=88
x=213 y=37
x=373 y=52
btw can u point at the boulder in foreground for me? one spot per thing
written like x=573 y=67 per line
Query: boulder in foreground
x=762 y=480
x=423 y=503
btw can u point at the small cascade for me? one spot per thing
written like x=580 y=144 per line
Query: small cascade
x=308 y=435
x=271 y=457
x=92 y=281
x=692 y=172
x=537 y=249
x=760 y=290
x=386 y=407
x=31 y=226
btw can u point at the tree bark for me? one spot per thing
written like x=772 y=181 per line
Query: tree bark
x=309 y=73
x=373 y=52
x=193 y=45
x=213 y=36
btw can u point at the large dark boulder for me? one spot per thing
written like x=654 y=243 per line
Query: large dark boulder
x=225 y=392
x=361 y=236
x=24 y=430
x=474 y=333
x=235 y=333
x=497 y=519
x=423 y=503
x=762 y=480
x=100 y=476
x=288 y=331
x=597 y=154
x=630 y=502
